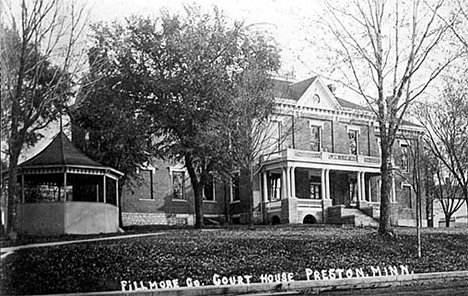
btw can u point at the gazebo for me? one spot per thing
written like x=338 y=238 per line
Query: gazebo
x=65 y=192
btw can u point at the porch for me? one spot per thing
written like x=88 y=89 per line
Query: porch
x=312 y=187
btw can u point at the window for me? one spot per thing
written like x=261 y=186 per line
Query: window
x=147 y=186
x=315 y=188
x=235 y=194
x=407 y=196
x=274 y=186
x=178 y=185
x=209 y=189
x=353 y=141
x=315 y=138
x=404 y=161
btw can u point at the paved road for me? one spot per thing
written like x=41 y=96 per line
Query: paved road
x=454 y=288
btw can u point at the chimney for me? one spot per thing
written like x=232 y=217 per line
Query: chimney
x=332 y=88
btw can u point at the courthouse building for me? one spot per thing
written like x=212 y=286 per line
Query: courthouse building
x=323 y=167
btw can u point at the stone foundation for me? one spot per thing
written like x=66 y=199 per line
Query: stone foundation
x=157 y=219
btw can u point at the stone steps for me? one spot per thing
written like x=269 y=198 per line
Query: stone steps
x=350 y=216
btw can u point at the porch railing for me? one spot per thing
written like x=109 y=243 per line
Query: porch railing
x=323 y=157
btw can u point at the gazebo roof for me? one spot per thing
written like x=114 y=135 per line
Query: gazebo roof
x=62 y=153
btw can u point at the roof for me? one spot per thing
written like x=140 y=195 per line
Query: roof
x=299 y=88
x=294 y=90
x=60 y=152
x=350 y=105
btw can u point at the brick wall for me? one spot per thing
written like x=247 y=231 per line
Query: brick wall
x=136 y=197
x=327 y=134
x=302 y=134
x=340 y=138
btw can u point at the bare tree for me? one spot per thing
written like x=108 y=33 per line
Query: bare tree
x=446 y=125
x=459 y=28
x=411 y=171
x=39 y=70
x=385 y=53
x=447 y=191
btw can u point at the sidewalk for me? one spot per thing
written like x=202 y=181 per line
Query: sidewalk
x=10 y=250
x=447 y=283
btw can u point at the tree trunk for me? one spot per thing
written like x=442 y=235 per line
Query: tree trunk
x=197 y=190
x=249 y=187
x=447 y=220
x=227 y=196
x=418 y=222
x=385 y=226
x=11 y=226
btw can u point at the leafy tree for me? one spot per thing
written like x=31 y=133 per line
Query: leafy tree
x=247 y=123
x=107 y=120
x=184 y=70
x=39 y=64
x=384 y=52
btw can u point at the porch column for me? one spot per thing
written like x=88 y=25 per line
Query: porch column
x=288 y=182
x=293 y=181
x=363 y=185
x=359 y=187
x=323 y=182
x=97 y=192
x=369 y=190
x=104 y=188
x=265 y=186
x=284 y=181
x=327 y=184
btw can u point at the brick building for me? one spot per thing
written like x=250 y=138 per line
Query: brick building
x=324 y=168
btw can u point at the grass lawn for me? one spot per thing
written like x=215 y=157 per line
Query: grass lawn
x=179 y=254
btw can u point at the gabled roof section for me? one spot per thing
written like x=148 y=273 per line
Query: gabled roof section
x=60 y=152
x=350 y=105
x=299 y=88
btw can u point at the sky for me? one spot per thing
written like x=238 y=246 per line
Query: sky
x=286 y=15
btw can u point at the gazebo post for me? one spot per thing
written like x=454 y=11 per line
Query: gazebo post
x=65 y=185
x=22 y=186
x=104 y=188
x=117 y=193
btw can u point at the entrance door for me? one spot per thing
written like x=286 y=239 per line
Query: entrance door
x=353 y=193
